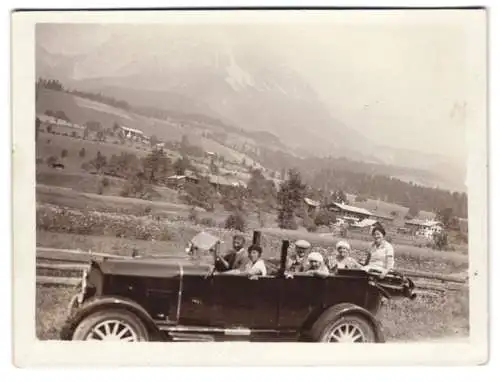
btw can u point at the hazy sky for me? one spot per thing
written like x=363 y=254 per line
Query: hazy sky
x=402 y=82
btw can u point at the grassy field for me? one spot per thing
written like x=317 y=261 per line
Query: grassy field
x=81 y=111
x=423 y=318
x=52 y=145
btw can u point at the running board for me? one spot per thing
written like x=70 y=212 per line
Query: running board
x=187 y=337
x=202 y=333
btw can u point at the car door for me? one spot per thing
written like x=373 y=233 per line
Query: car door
x=239 y=301
x=298 y=297
x=195 y=300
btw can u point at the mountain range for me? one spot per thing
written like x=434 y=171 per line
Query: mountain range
x=253 y=92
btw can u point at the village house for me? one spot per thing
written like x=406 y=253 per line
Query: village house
x=222 y=183
x=425 y=228
x=133 y=134
x=178 y=181
x=349 y=213
x=364 y=225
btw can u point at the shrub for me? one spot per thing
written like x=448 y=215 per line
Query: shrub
x=440 y=240
x=324 y=218
x=236 y=221
x=209 y=222
x=193 y=215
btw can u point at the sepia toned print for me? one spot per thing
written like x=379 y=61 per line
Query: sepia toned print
x=225 y=181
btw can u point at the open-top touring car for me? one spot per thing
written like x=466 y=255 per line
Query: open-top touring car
x=183 y=299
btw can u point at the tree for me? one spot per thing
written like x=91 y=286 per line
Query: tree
x=445 y=216
x=324 y=217
x=213 y=167
x=38 y=123
x=99 y=162
x=200 y=194
x=157 y=166
x=290 y=198
x=181 y=165
x=233 y=199
x=340 y=197
x=116 y=128
x=154 y=140
x=94 y=126
x=413 y=211
x=125 y=165
x=236 y=221
x=82 y=152
x=101 y=136
x=61 y=115
x=261 y=191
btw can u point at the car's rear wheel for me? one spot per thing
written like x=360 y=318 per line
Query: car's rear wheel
x=111 y=325
x=348 y=328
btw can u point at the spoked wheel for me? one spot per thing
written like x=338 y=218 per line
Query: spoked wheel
x=347 y=329
x=347 y=332
x=112 y=330
x=111 y=325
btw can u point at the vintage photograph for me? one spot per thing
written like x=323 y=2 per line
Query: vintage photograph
x=222 y=179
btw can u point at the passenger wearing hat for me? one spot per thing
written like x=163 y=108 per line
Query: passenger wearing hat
x=317 y=265
x=342 y=260
x=297 y=262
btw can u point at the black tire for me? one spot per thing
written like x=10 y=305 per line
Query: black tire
x=330 y=323
x=122 y=318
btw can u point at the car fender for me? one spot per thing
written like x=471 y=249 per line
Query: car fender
x=346 y=308
x=95 y=304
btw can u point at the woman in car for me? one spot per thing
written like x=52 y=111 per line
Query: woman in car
x=381 y=252
x=256 y=266
x=317 y=265
x=342 y=259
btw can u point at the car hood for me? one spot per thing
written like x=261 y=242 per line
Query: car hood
x=155 y=267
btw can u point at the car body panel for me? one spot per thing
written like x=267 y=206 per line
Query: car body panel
x=182 y=296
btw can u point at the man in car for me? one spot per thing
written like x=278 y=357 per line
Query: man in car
x=297 y=262
x=235 y=259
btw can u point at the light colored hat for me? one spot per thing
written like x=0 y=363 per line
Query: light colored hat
x=302 y=244
x=343 y=244
x=315 y=256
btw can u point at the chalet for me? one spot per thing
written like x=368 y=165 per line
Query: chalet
x=133 y=134
x=425 y=228
x=364 y=225
x=311 y=205
x=222 y=183
x=348 y=212
x=383 y=218
x=178 y=181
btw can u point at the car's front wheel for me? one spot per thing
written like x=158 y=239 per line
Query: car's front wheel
x=348 y=328
x=111 y=325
